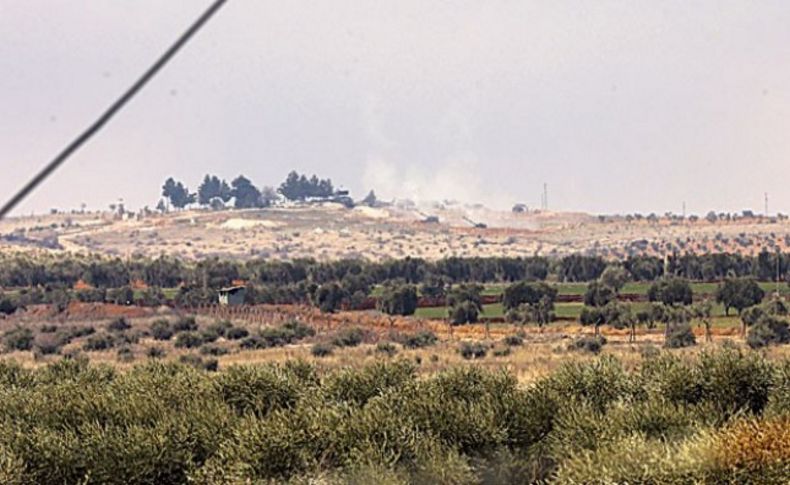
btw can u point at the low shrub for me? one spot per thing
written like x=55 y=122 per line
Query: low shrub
x=501 y=351
x=188 y=340
x=349 y=337
x=649 y=351
x=287 y=333
x=215 y=350
x=631 y=459
x=252 y=343
x=161 y=330
x=386 y=348
x=768 y=331
x=679 y=337
x=597 y=384
x=753 y=451
x=322 y=350
x=98 y=342
x=298 y=329
x=48 y=328
x=261 y=390
x=63 y=336
x=220 y=327
x=155 y=352
x=7 y=306
x=18 y=339
x=47 y=344
x=236 y=333
x=81 y=331
x=424 y=338
x=211 y=365
x=464 y=312
x=209 y=335
x=127 y=338
x=192 y=360
x=74 y=354
x=779 y=400
x=185 y=324
x=275 y=336
x=729 y=344
x=119 y=325
x=733 y=382
x=472 y=350
x=513 y=340
x=125 y=354
x=359 y=386
x=588 y=344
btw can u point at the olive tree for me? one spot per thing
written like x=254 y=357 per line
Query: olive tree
x=398 y=300
x=739 y=293
x=465 y=304
x=671 y=291
x=703 y=311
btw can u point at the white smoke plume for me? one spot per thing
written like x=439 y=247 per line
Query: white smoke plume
x=457 y=174
x=460 y=180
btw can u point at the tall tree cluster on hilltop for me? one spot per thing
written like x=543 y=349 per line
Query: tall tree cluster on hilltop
x=213 y=188
x=177 y=193
x=216 y=192
x=247 y=195
x=299 y=187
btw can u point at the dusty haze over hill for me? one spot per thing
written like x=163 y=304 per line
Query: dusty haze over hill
x=619 y=106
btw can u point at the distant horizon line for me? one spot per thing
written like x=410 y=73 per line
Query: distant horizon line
x=418 y=203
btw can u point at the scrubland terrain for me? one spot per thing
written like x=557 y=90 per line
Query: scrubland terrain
x=123 y=336
x=125 y=370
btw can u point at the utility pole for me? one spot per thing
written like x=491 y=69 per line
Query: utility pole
x=545 y=202
x=766 y=204
x=778 y=260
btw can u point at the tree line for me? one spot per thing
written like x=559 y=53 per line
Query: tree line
x=673 y=303
x=453 y=282
x=216 y=193
x=23 y=270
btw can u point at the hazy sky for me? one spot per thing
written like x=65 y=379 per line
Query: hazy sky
x=617 y=105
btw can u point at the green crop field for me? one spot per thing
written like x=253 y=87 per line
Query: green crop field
x=493 y=310
x=641 y=288
x=433 y=313
x=631 y=288
x=562 y=310
x=169 y=293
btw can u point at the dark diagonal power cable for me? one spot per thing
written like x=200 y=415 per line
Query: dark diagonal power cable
x=112 y=110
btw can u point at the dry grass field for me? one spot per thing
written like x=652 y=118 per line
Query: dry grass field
x=541 y=350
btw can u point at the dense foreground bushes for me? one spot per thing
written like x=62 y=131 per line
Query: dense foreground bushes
x=722 y=417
